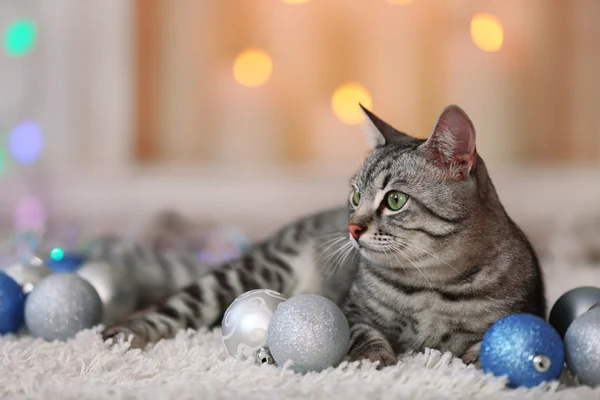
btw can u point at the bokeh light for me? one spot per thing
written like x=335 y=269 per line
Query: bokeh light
x=30 y=214
x=2 y=161
x=20 y=37
x=487 y=32
x=26 y=142
x=345 y=103
x=57 y=254
x=252 y=67
x=400 y=2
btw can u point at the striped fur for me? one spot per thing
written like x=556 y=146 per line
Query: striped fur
x=435 y=273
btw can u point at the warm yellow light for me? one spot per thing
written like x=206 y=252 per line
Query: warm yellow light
x=345 y=103
x=252 y=67
x=295 y=1
x=487 y=32
x=399 y=2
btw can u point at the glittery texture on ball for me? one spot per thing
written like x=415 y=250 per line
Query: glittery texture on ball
x=61 y=305
x=28 y=274
x=523 y=347
x=12 y=303
x=310 y=331
x=571 y=305
x=246 y=321
x=114 y=285
x=582 y=347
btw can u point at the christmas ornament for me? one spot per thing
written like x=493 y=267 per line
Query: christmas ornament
x=264 y=356
x=114 y=285
x=28 y=274
x=582 y=347
x=523 y=347
x=61 y=305
x=246 y=322
x=12 y=303
x=310 y=331
x=571 y=305
x=65 y=262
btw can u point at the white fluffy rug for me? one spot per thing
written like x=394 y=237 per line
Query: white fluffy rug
x=194 y=366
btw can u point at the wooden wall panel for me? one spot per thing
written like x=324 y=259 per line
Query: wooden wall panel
x=190 y=110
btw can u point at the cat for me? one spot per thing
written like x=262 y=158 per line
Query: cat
x=423 y=256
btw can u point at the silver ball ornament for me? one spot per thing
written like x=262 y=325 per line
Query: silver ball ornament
x=246 y=322
x=582 y=347
x=61 y=305
x=27 y=275
x=114 y=285
x=310 y=331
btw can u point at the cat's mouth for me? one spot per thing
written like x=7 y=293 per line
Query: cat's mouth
x=364 y=247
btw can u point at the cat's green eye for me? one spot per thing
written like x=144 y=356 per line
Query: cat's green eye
x=355 y=197
x=396 y=200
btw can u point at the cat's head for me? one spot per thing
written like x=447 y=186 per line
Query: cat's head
x=411 y=195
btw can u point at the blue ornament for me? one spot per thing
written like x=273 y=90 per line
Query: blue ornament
x=523 y=347
x=12 y=305
x=69 y=262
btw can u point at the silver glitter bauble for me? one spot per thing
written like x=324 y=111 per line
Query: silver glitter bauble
x=28 y=274
x=61 y=305
x=114 y=285
x=246 y=322
x=310 y=331
x=582 y=347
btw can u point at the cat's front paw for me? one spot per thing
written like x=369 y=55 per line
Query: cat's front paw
x=120 y=332
x=471 y=356
x=382 y=358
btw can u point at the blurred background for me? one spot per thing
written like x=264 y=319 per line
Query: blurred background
x=245 y=112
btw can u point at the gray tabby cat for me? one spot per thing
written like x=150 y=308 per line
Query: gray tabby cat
x=424 y=255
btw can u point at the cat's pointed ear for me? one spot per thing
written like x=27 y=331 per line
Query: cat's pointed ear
x=452 y=142
x=378 y=133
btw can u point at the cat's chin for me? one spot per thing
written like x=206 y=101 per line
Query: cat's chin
x=377 y=256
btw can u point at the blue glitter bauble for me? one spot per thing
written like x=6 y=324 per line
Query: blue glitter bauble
x=68 y=263
x=523 y=347
x=12 y=305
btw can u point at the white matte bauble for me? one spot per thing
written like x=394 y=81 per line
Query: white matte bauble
x=246 y=323
x=61 y=305
x=28 y=274
x=115 y=286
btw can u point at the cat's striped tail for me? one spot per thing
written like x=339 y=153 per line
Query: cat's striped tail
x=202 y=303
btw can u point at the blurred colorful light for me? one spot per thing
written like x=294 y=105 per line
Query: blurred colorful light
x=345 y=103
x=295 y=1
x=20 y=37
x=57 y=254
x=30 y=214
x=252 y=67
x=2 y=161
x=26 y=142
x=487 y=32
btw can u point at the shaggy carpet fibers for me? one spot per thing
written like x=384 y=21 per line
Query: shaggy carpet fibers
x=195 y=365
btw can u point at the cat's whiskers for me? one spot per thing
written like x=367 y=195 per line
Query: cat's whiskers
x=330 y=243
x=402 y=253
x=329 y=235
x=338 y=258
x=410 y=243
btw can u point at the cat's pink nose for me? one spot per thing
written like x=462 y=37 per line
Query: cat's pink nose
x=355 y=230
